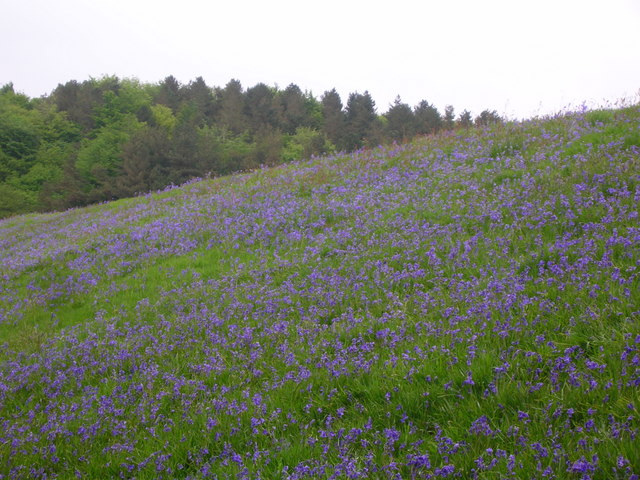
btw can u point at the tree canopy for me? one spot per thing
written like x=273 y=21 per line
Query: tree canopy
x=108 y=138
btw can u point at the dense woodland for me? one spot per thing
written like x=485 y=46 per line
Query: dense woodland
x=109 y=138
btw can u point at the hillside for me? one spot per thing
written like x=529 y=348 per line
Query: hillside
x=462 y=306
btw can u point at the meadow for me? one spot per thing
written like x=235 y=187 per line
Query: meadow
x=466 y=305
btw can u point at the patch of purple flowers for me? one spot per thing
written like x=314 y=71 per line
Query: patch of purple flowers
x=456 y=307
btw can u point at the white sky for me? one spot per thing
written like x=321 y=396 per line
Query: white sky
x=519 y=58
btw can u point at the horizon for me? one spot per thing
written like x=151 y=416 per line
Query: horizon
x=625 y=99
x=520 y=60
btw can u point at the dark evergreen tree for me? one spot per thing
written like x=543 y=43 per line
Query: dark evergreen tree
x=67 y=191
x=487 y=117
x=449 y=118
x=294 y=109
x=464 y=119
x=183 y=145
x=261 y=107
x=169 y=93
x=201 y=96
x=268 y=148
x=79 y=101
x=428 y=119
x=334 y=117
x=146 y=162
x=400 y=121
x=361 y=120
x=144 y=114
x=231 y=115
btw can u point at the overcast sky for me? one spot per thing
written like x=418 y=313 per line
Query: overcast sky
x=519 y=58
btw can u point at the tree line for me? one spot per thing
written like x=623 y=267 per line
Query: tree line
x=109 y=138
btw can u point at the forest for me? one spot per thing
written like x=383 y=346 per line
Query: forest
x=108 y=138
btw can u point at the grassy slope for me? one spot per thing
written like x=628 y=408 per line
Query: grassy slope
x=462 y=305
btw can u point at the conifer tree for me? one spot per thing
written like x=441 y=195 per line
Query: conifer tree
x=449 y=117
x=334 y=117
x=464 y=119
x=170 y=93
x=231 y=115
x=294 y=114
x=487 y=117
x=360 y=120
x=400 y=121
x=428 y=119
x=260 y=107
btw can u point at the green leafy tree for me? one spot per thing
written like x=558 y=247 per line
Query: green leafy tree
x=236 y=149
x=121 y=98
x=305 y=143
x=313 y=112
x=102 y=152
x=35 y=142
x=163 y=117
x=9 y=95
x=22 y=131
x=47 y=168
x=14 y=201
x=56 y=126
x=19 y=140
x=221 y=152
